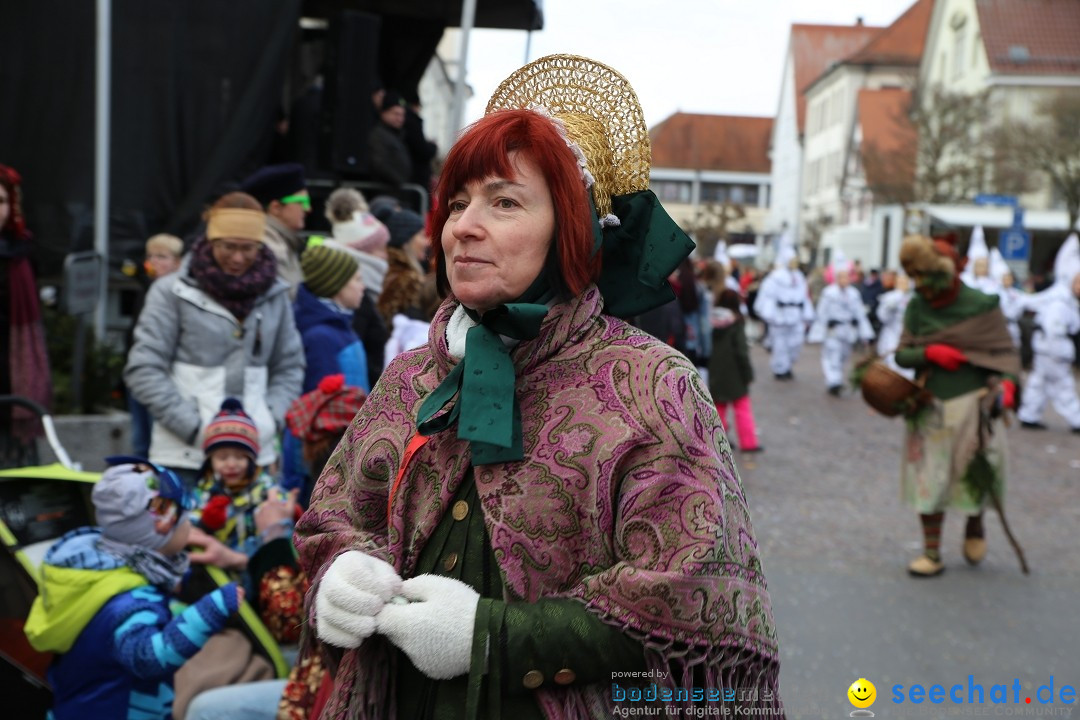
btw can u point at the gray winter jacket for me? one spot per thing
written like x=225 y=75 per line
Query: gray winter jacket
x=190 y=353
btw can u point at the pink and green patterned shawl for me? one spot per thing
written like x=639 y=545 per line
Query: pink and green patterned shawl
x=627 y=499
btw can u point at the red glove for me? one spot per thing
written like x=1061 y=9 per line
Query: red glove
x=215 y=513
x=945 y=356
x=1008 y=394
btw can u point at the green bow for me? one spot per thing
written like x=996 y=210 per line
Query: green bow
x=639 y=254
x=488 y=414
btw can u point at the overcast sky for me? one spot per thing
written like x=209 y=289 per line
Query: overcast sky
x=709 y=56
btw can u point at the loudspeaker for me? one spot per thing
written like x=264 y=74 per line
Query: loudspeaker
x=351 y=71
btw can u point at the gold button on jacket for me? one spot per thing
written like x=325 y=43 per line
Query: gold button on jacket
x=564 y=677
x=461 y=510
x=533 y=679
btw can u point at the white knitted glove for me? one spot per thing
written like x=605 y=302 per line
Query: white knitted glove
x=435 y=629
x=351 y=594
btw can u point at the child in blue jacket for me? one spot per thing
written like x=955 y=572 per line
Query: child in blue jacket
x=104 y=601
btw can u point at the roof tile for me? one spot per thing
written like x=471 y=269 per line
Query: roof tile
x=888 y=137
x=902 y=42
x=1047 y=30
x=815 y=48
x=712 y=142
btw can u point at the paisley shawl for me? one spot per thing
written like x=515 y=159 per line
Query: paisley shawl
x=627 y=499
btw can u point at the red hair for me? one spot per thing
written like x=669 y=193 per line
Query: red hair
x=16 y=224
x=484 y=151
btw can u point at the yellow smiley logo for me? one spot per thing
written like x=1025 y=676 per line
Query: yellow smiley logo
x=862 y=693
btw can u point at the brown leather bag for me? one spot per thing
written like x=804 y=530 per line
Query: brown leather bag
x=227 y=658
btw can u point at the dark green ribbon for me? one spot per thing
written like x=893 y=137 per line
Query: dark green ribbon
x=487 y=414
x=639 y=255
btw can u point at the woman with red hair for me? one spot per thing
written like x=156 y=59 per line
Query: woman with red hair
x=22 y=337
x=542 y=498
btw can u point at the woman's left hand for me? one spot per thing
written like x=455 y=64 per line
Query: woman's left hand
x=435 y=628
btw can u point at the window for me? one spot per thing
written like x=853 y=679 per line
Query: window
x=672 y=191
x=738 y=195
x=714 y=192
x=751 y=192
x=958 y=53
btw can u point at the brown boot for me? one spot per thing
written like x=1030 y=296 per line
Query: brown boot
x=974 y=550
x=924 y=566
x=974 y=540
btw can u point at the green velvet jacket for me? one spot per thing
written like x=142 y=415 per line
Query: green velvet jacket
x=921 y=319
x=555 y=638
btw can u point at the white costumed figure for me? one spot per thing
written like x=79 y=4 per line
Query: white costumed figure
x=841 y=322
x=1013 y=300
x=1056 y=318
x=890 y=311
x=977 y=271
x=784 y=304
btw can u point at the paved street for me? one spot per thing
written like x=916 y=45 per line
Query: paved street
x=836 y=540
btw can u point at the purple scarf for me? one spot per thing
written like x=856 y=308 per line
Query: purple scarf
x=237 y=293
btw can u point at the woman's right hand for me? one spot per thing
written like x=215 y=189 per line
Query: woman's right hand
x=350 y=595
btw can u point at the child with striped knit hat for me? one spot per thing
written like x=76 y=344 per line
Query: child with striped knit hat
x=231 y=486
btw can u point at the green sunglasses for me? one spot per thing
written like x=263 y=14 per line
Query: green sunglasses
x=298 y=199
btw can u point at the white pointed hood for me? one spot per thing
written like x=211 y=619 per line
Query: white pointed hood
x=977 y=247
x=998 y=266
x=720 y=254
x=1067 y=261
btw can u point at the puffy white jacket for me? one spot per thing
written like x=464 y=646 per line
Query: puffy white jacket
x=1057 y=318
x=190 y=353
x=782 y=298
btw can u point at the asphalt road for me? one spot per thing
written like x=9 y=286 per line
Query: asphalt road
x=836 y=539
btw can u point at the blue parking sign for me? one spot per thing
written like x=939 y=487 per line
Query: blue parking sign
x=1015 y=244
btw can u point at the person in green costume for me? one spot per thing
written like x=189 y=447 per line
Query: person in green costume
x=537 y=514
x=955 y=453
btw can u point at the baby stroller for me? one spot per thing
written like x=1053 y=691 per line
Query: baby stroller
x=38 y=504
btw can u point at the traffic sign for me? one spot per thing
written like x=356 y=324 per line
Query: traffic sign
x=82 y=282
x=1015 y=244
x=991 y=199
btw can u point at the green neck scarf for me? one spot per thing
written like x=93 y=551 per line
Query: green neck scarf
x=488 y=415
x=638 y=255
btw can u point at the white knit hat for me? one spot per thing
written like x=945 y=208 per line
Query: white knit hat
x=362 y=232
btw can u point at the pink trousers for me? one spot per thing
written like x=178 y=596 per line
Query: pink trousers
x=744 y=421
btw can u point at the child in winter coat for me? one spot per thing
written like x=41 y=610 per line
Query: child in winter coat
x=231 y=486
x=104 y=602
x=730 y=372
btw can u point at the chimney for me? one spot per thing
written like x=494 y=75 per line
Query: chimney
x=859 y=21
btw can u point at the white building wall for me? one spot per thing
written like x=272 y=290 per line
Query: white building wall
x=829 y=110
x=956 y=60
x=786 y=158
x=757 y=218
x=954 y=52
x=832 y=105
x=437 y=91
